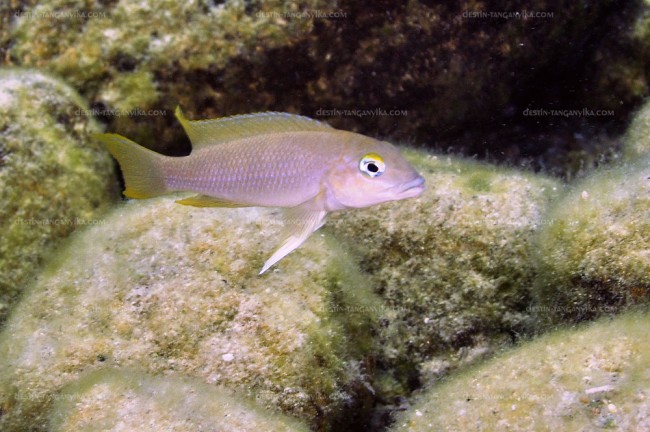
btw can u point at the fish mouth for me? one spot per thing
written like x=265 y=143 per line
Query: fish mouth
x=412 y=188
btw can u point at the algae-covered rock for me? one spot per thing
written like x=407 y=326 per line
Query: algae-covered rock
x=454 y=266
x=166 y=288
x=136 y=60
x=595 y=251
x=116 y=400
x=589 y=378
x=53 y=178
x=440 y=66
x=637 y=138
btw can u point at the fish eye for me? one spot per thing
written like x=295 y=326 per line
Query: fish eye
x=372 y=165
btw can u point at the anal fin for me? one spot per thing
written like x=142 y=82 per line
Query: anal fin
x=208 y=201
x=300 y=222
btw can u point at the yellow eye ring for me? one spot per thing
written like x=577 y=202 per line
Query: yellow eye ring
x=372 y=165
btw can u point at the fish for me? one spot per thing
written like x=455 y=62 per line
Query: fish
x=270 y=159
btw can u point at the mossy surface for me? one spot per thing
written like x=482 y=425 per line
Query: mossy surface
x=126 y=400
x=594 y=253
x=587 y=378
x=168 y=289
x=637 y=138
x=53 y=177
x=454 y=266
x=136 y=60
x=313 y=57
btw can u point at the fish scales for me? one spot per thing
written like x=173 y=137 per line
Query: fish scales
x=282 y=169
x=271 y=159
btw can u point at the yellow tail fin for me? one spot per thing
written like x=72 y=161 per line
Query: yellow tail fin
x=141 y=167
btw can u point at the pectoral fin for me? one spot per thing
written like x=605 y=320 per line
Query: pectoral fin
x=299 y=224
x=208 y=201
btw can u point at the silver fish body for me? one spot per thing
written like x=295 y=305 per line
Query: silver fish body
x=279 y=170
x=274 y=160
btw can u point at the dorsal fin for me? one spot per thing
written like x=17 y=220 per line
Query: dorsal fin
x=208 y=132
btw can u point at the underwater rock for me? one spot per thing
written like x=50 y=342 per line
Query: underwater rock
x=112 y=399
x=445 y=65
x=637 y=138
x=53 y=177
x=586 y=378
x=170 y=289
x=136 y=60
x=453 y=266
x=594 y=253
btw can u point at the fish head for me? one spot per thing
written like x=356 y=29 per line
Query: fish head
x=371 y=172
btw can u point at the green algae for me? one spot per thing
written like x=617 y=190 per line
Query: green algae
x=454 y=267
x=457 y=287
x=115 y=399
x=593 y=254
x=165 y=288
x=586 y=378
x=153 y=55
x=53 y=177
x=480 y=182
x=233 y=57
x=132 y=90
x=637 y=138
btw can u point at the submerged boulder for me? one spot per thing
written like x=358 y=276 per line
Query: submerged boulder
x=594 y=253
x=118 y=400
x=454 y=267
x=53 y=177
x=578 y=379
x=169 y=289
x=637 y=138
x=412 y=70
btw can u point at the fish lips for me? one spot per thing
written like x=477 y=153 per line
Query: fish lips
x=411 y=188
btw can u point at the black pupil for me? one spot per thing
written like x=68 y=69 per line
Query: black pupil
x=372 y=167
